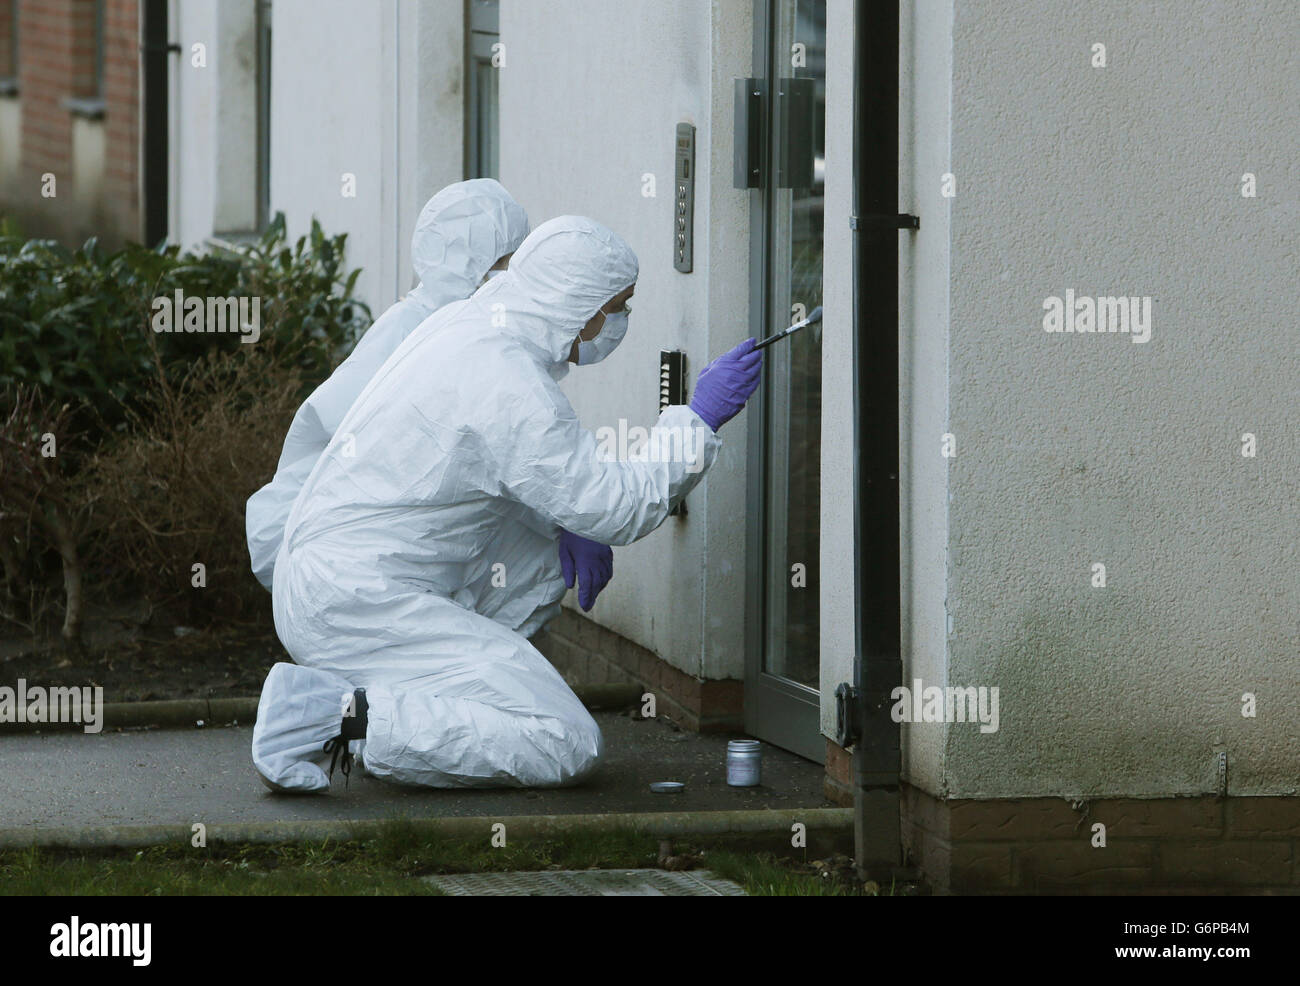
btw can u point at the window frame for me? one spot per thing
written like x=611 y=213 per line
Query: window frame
x=483 y=30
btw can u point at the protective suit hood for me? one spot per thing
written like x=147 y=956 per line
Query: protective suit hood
x=461 y=232
x=565 y=270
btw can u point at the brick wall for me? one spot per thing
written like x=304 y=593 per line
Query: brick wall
x=57 y=61
x=585 y=652
x=1200 y=845
x=122 y=117
x=837 y=784
x=6 y=56
x=46 y=73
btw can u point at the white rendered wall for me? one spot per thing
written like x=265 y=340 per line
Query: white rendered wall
x=374 y=92
x=1077 y=449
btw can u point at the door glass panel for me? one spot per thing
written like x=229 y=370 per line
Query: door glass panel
x=793 y=374
x=483 y=137
x=486 y=124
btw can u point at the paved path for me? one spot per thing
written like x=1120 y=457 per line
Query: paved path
x=187 y=776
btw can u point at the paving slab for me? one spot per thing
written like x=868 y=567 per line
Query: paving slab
x=206 y=775
x=588 y=883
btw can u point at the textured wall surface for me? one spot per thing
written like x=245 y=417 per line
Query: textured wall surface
x=325 y=124
x=1076 y=449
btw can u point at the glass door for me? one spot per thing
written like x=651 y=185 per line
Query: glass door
x=782 y=698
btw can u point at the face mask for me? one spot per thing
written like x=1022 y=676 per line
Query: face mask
x=611 y=334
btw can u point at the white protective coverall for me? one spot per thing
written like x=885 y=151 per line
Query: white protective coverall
x=461 y=232
x=410 y=568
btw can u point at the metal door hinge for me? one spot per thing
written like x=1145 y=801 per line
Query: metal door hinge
x=848 y=715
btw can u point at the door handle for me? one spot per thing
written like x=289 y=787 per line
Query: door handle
x=747 y=151
x=794 y=124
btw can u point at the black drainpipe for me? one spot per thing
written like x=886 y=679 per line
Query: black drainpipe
x=864 y=707
x=154 y=49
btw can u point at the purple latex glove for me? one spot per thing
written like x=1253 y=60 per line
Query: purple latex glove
x=590 y=562
x=726 y=383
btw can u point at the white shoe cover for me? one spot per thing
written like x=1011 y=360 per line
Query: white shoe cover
x=300 y=711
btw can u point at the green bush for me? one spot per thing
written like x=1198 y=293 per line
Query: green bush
x=75 y=324
x=160 y=435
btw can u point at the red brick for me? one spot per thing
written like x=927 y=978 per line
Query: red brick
x=714 y=704
x=722 y=698
x=839 y=763
x=650 y=672
x=1042 y=866
x=1014 y=819
x=1166 y=818
x=1263 y=817
x=931 y=855
x=1227 y=863
x=979 y=867
x=837 y=792
x=57 y=61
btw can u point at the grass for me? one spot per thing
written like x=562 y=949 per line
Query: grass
x=277 y=871
x=387 y=864
x=764 y=875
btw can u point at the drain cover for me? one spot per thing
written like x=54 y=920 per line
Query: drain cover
x=588 y=883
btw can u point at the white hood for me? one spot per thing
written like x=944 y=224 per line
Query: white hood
x=462 y=231
x=566 y=269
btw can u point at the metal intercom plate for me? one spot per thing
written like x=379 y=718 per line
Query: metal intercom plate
x=684 y=199
x=672 y=390
x=672 y=378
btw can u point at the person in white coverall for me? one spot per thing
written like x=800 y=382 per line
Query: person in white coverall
x=416 y=560
x=464 y=233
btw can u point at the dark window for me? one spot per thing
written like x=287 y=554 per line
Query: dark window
x=9 y=47
x=482 y=124
x=263 y=113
